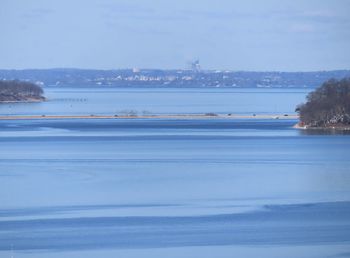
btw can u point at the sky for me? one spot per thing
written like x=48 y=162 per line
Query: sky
x=253 y=35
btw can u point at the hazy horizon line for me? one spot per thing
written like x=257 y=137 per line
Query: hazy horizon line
x=176 y=69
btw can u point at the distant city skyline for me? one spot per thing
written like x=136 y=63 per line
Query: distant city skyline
x=253 y=35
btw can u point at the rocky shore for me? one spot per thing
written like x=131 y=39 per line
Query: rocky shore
x=338 y=127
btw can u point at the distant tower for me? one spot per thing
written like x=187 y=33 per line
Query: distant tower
x=195 y=66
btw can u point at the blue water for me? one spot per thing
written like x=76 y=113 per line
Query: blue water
x=109 y=101
x=172 y=188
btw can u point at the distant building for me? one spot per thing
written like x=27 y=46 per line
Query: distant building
x=195 y=66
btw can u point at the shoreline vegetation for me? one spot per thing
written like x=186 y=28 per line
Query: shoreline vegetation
x=20 y=91
x=328 y=107
x=165 y=116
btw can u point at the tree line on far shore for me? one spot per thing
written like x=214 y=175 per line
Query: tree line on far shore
x=327 y=106
x=15 y=90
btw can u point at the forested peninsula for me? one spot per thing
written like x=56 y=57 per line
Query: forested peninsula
x=327 y=107
x=20 y=91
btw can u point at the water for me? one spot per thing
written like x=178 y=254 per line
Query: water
x=77 y=101
x=173 y=188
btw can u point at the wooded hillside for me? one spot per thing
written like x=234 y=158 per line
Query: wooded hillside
x=20 y=91
x=327 y=106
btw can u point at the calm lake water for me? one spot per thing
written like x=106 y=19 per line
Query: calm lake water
x=160 y=101
x=172 y=188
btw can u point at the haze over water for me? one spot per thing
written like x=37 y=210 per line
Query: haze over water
x=171 y=188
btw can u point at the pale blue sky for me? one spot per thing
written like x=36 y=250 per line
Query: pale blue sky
x=295 y=35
